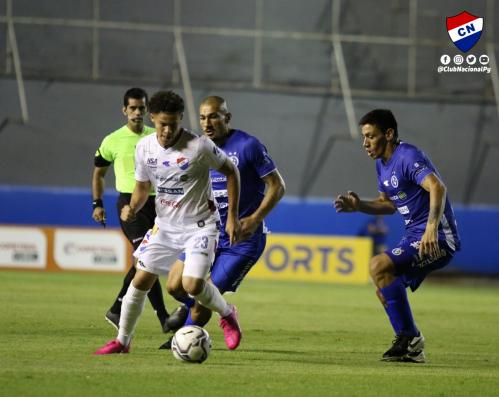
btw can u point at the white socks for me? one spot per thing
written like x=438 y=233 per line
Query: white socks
x=211 y=298
x=131 y=309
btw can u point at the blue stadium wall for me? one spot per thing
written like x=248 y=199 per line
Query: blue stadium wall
x=478 y=225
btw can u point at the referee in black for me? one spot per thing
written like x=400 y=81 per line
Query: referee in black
x=118 y=149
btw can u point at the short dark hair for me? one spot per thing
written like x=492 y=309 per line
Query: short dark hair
x=134 y=93
x=166 y=102
x=381 y=118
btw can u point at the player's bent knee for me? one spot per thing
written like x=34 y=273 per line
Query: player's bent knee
x=170 y=288
x=382 y=270
x=144 y=280
x=377 y=266
x=174 y=289
x=193 y=286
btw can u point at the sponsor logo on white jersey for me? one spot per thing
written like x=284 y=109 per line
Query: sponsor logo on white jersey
x=170 y=203
x=181 y=162
x=171 y=190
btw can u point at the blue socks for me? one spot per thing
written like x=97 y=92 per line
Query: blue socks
x=398 y=309
x=189 y=302
x=190 y=321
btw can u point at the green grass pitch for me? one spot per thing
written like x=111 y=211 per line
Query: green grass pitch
x=299 y=340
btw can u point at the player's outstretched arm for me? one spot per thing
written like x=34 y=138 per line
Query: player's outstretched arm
x=347 y=203
x=438 y=192
x=98 y=182
x=351 y=202
x=274 y=191
x=233 y=226
x=139 y=198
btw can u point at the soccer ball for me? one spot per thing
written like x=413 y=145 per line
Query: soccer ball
x=191 y=344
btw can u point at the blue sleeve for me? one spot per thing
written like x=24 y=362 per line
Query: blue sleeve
x=257 y=154
x=417 y=166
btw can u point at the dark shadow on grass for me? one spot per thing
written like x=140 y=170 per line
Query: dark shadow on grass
x=270 y=351
x=287 y=356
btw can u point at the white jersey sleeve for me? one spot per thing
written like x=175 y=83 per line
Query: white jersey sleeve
x=211 y=154
x=141 y=173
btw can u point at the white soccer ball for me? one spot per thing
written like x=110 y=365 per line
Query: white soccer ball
x=191 y=344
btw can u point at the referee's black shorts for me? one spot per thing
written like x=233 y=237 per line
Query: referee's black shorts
x=135 y=230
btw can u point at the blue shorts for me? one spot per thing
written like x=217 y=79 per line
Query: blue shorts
x=231 y=266
x=409 y=265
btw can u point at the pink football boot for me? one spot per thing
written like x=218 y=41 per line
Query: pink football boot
x=232 y=331
x=112 y=347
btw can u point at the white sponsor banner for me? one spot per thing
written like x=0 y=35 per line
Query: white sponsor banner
x=76 y=249
x=23 y=247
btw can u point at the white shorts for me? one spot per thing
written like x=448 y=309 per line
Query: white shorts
x=160 y=248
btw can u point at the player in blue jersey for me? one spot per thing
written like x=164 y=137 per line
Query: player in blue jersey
x=409 y=183
x=261 y=189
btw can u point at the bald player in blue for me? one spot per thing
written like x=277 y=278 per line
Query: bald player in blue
x=409 y=183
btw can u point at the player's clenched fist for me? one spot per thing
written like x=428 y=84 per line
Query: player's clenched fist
x=127 y=214
x=99 y=214
x=347 y=203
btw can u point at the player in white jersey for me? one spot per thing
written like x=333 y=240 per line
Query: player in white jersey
x=177 y=162
x=261 y=189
